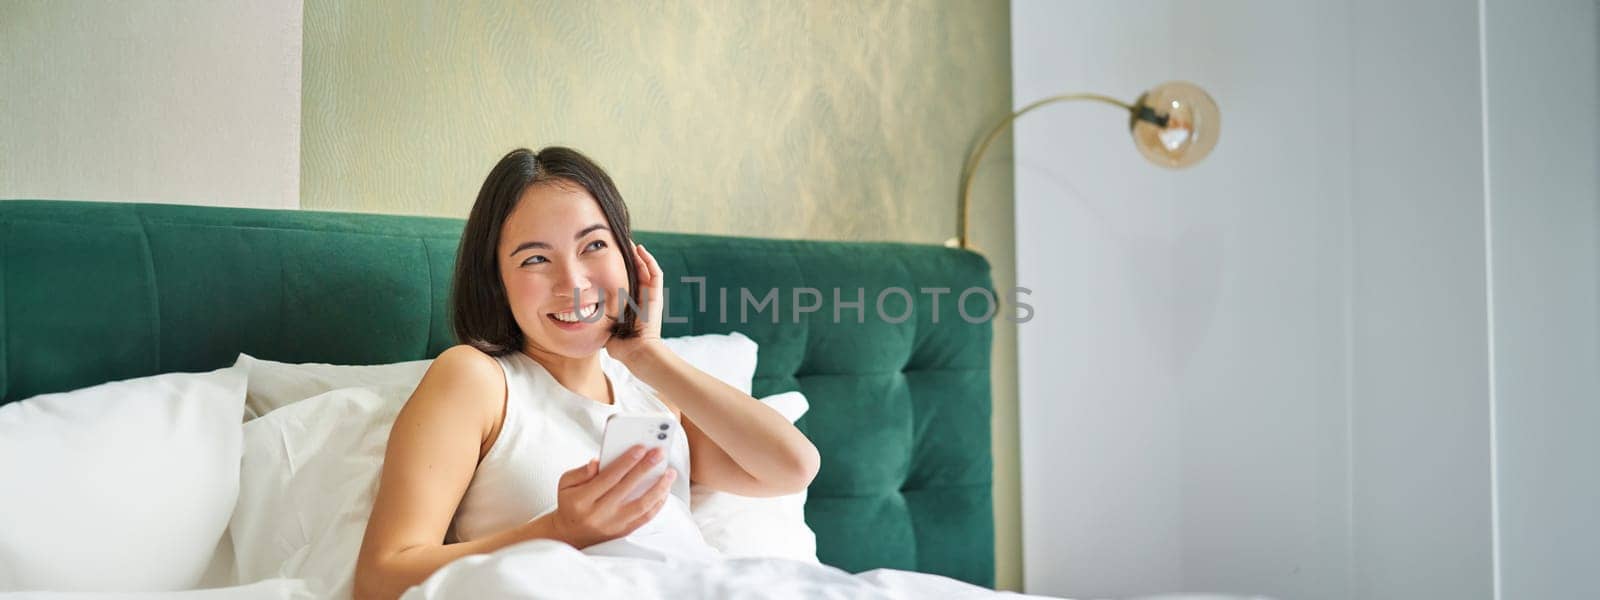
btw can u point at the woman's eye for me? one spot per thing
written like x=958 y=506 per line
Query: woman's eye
x=595 y=245
x=533 y=260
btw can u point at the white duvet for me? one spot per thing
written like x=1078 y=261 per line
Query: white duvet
x=544 y=568
x=548 y=569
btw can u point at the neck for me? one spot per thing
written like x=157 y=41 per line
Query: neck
x=581 y=375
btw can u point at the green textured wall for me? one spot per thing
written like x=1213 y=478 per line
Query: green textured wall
x=824 y=119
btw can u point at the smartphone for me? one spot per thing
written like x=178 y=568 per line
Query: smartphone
x=647 y=430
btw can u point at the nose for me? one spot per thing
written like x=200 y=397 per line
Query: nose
x=571 y=276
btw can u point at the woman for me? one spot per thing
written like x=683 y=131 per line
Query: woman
x=498 y=443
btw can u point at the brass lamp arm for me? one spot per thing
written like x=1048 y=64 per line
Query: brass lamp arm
x=971 y=166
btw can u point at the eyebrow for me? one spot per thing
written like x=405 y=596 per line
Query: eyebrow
x=583 y=232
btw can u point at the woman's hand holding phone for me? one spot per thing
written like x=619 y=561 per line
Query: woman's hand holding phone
x=592 y=504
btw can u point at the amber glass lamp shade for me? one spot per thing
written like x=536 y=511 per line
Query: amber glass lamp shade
x=1175 y=124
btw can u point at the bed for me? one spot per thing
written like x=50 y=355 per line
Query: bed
x=900 y=411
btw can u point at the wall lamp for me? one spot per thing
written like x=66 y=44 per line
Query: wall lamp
x=1174 y=125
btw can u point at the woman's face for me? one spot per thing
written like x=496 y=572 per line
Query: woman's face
x=556 y=241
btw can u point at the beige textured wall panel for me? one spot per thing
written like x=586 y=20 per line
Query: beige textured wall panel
x=783 y=119
x=823 y=119
x=174 y=102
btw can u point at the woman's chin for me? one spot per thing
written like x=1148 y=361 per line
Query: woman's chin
x=575 y=344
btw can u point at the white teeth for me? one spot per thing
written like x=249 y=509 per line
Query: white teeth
x=570 y=317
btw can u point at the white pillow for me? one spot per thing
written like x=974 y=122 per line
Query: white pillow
x=276 y=384
x=729 y=357
x=742 y=526
x=124 y=486
x=307 y=482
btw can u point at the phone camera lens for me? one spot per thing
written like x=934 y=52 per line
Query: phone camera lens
x=661 y=436
x=665 y=426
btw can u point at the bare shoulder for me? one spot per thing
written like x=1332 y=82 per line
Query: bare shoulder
x=463 y=362
x=461 y=377
x=464 y=357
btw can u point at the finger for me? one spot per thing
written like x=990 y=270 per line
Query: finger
x=645 y=517
x=577 y=475
x=608 y=476
x=649 y=511
x=657 y=493
x=636 y=477
x=619 y=492
x=653 y=266
x=642 y=258
x=646 y=276
x=656 y=282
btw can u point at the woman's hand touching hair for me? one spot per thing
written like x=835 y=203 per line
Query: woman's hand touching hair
x=647 y=327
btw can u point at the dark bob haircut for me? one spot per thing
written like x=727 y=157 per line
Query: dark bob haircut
x=481 y=313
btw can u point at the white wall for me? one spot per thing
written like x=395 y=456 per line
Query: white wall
x=1271 y=373
x=175 y=102
x=1419 y=403
x=1544 y=182
x=1183 y=382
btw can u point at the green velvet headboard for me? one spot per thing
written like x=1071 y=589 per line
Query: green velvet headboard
x=96 y=292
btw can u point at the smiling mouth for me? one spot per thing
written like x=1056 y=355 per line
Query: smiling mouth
x=574 y=317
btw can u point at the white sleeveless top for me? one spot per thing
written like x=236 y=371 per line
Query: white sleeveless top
x=549 y=429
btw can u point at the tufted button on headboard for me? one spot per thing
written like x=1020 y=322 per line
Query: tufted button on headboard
x=889 y=342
